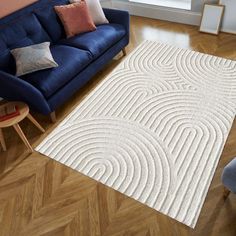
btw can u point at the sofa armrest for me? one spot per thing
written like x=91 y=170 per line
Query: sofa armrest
x=13 y=88
x=118 y=17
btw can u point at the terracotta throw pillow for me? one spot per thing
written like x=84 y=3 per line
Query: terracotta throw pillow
x=75 y=18
x=95 y=10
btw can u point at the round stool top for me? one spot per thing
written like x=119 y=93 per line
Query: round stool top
x=23 y=109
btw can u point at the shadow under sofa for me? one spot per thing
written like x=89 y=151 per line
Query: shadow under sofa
x=79 y=57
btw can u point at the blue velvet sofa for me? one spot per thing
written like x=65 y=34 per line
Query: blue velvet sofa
x=79 y=57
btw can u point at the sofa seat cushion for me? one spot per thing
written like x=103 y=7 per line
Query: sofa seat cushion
x=70 y=60
x=98 y=41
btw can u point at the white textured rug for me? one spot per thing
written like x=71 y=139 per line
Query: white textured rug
x=154 y=129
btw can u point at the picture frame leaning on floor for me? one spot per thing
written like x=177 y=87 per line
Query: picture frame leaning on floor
x=211 y=20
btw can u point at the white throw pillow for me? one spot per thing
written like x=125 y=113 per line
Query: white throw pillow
x=95 y=10
x=33 y=58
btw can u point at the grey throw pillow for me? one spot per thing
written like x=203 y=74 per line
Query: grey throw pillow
x=33 y=58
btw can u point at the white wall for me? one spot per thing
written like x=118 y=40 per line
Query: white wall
x=192 y=17
x=106 y=3
x=197 y=5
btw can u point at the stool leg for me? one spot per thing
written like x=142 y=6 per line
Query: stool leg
x=22 y=136
x=2 y=141
x=31 y=118
x=226 y=193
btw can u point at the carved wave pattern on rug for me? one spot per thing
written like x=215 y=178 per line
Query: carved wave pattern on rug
x=154 y=129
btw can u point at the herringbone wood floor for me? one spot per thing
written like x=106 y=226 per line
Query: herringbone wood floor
x=39 y=196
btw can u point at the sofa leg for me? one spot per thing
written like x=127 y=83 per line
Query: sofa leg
x=124 y=52
x=226 y=193
x=53 y=117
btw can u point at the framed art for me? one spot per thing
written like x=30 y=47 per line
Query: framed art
x=211 y=18
x=229 y=19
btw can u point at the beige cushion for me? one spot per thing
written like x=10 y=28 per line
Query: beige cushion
x=33 y=58
x=95 y=10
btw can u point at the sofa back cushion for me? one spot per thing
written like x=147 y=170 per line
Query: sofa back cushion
x=22 y=32
x=50 y=20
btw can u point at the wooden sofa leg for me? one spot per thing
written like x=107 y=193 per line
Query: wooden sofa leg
x=124 y=52
x=226 y=193
x=53 y=117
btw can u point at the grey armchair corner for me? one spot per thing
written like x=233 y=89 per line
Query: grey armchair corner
x=229 y=178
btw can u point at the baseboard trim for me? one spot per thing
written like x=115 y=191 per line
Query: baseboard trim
x=161 y=13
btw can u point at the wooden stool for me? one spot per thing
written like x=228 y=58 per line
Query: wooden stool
x=24 y=112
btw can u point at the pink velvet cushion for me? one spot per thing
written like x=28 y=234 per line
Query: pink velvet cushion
x=75 y=18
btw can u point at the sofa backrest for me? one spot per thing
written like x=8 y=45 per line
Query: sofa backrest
x=24 y=32
x=34 y=24
x=50 y=21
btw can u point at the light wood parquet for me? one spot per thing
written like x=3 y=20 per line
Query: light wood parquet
x=39 y=196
